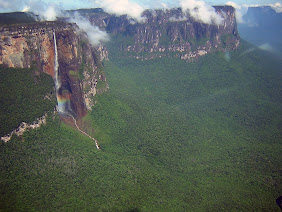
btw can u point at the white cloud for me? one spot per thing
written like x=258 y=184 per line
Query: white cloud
x=26 y=9
x=252 y=5
x=233 y=4
x=164 y=5
x=94 y=34
x=122 y=7
x=177 y=19
x=239 y=11
x=51 y=11
x=48 y=12
x=267 y=47
x=277 y=7
x=201 y=11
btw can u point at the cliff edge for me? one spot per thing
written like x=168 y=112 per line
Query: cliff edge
x=80 y=69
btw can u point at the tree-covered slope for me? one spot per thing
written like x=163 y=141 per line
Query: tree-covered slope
x=24 y=96
x=175 y=136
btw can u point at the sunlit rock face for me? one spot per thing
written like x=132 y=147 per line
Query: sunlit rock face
x=171 y=31
x=32 y=46
x=162 y=33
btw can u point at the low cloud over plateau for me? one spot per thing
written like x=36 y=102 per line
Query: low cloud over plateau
x=94 y=34
x=122 y=7
x=201 y=11
x=52 y=11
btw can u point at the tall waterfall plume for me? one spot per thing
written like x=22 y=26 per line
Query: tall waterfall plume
x=56 y=64
x=62 y=93
x=60 y=106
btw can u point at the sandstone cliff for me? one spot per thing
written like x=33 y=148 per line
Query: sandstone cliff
x=169 y=32
x=163 y=33
x=32 y=46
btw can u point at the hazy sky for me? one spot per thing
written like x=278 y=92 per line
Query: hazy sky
x=155 y=3
x=18 y=5
x=200 y=10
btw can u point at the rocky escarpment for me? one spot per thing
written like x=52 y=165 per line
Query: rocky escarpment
x=23 y=127
x=32 y=46
x=170 y=32
x=163 y=33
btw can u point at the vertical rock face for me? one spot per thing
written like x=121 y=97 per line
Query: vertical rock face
x=173 y=31
x=163 y=33
x=26 y=46
x=32 y=46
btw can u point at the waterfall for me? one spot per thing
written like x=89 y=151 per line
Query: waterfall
x=56 y=64
x=56 y=76
x=63 y=95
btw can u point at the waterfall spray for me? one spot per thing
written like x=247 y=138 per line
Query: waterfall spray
x=56 y=64
x=63 y=95
x=63 y=103
x=56 y=75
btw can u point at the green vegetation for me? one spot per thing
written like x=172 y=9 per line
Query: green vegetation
x=22 y=97
x=225 y=38
x=164 y=39
x=101 y=84
x=74 y=74
x=81 y=69
x=198 y=42
x=175 y=136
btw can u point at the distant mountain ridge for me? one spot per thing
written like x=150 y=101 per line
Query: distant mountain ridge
x=163 y=32
x=166 y=32
x=262 y=27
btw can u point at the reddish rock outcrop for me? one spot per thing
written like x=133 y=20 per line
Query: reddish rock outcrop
x=32 y=46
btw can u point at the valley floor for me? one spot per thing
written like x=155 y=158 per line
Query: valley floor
x=174 y=136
